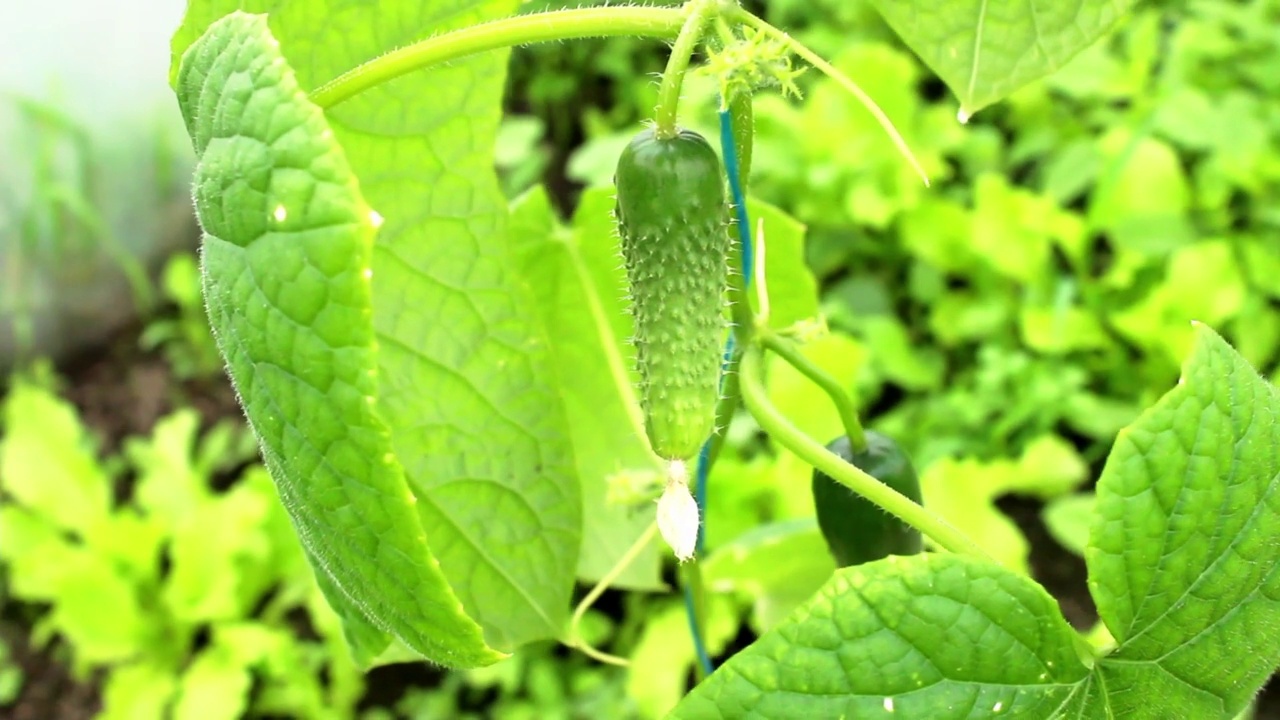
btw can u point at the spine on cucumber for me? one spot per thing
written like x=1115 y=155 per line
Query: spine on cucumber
x=672 y=218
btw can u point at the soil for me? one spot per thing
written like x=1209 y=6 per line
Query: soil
x=49 y=692
x=122 y=391
x=1059 y=571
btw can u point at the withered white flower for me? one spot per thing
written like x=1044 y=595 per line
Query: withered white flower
x=678 y=512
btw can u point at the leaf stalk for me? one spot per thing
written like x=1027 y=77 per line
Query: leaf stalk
x=652 y=22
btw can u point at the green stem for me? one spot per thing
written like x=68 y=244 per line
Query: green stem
x=895 y=503
x=575 y=624
x=724 y=32
x=742 y=110
x=788 y=351
x=744 y=320
x=691 y=576
x=660 y=23
x=746 y=18
x=727 y=406
x=673 y=77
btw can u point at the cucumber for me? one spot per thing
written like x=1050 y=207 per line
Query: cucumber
x=673 y=219
x=857 y=530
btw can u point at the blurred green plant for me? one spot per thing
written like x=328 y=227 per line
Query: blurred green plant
x=540 y=682
x=11 y=676
x=186 y=594
x=54 y=216
x=1043 y=290
x=183 y=334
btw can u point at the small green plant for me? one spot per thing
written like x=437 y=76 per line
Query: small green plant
x=180 y=594
x=184 y=337
x=55 y=217
x=373 y=295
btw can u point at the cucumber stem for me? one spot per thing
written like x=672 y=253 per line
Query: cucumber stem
x=787 y=350
x=665 y=115
x=659 y=23
x=743 y=127
x=895 y=503
x=730 y=400
x=747 y=18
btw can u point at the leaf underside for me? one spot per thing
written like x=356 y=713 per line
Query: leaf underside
x=457 y=410
x=287 y=240
x=985 y=49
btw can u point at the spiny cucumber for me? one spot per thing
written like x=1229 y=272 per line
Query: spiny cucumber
x=672 y=218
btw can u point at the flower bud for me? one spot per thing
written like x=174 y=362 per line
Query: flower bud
x=678 y=513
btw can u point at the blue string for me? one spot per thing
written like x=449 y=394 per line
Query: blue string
x=730 y=152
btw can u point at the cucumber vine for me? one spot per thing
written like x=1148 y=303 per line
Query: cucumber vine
x=759 y=58
x=359 y=455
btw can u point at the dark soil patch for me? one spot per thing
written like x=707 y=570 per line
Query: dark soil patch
x=1061 y=572
x=120 y=390
x=49 y=692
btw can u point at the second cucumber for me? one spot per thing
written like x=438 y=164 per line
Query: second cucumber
x=857 y=530
x=672 y=218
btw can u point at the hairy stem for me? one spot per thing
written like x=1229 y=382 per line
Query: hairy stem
x=653 y=22
x=782 y=431
x=746 y=18
x=665 y=114
x=742 y=110
x=730 y=401
x=736 y=123
x=788 y=351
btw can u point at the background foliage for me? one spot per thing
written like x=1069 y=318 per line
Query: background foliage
x=1002 y=325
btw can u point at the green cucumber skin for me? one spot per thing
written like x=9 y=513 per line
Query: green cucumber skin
x=857 y=530
x=672 y=218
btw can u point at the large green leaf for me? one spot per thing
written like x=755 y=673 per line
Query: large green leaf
x=578 y=285
x=1185 y=547
x=927 y=636
x=288 y=256
x=464 y=378
x=47 y=463
x=465 y=371
x=984 y=49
